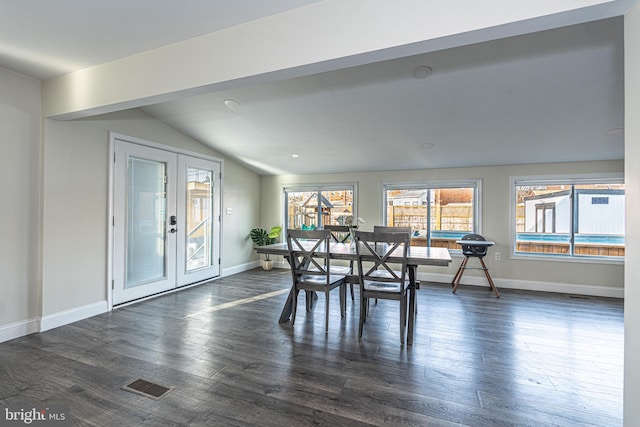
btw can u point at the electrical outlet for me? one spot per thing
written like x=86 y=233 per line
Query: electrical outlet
x=497 y=256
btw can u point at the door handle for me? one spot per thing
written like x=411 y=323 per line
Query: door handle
x=173 y=230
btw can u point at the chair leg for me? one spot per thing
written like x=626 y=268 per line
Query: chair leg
x=403 y=318
x=486 y=272
x=294 y=307
x=456 y=279
x=352 y=297
x=308 y=300
x=343 y=300
x=326 y=316
x=366 y=310
x=363 y=314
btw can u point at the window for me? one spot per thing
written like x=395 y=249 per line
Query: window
x=546 y=218
x=572 y=217
x=439 y=213
x=599 y=200
x=309 y=207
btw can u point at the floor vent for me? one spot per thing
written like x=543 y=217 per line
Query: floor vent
x=147 y=388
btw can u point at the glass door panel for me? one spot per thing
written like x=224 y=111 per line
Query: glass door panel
x=146 y=212
x=198 y=257
x=199 y=220
x=144 y=238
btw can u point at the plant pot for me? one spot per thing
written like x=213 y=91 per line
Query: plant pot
x=267 y=264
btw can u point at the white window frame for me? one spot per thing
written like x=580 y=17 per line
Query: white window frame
x=353 y=186
x=475 y=183
x=568 y=179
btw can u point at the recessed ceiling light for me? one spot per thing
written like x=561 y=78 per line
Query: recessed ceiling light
x=422 y=71
x=231 y=104
x=295 y=155
x=615 y=131
x=427 y=145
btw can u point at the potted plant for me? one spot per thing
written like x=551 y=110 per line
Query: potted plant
x=353 y=223
x=262 y=237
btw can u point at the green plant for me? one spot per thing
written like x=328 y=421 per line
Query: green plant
x=262 y=237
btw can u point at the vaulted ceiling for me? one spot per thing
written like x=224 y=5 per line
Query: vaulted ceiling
x=549 y=96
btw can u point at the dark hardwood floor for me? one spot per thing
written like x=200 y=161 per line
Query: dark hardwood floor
x=526 y=359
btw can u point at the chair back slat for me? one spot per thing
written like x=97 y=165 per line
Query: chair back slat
x=387 y=229
x=384 y=253
x=339 y=233
x=309 y=254
x=310 y=259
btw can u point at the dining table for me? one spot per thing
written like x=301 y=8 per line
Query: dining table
x=417 y=256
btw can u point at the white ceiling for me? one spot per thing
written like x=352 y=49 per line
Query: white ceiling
x=46 y=38
x=550 y=96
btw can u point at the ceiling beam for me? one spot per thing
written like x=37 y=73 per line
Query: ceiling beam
x=323 y=36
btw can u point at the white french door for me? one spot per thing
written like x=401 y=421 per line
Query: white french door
x=198 y=220
x=166 y=221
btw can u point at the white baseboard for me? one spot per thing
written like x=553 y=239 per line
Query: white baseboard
x=281 y=264
x=72 y=315
x=525 y=285
x=19 y=329
x=240 y=268
x=528 y=285
x=250 y=266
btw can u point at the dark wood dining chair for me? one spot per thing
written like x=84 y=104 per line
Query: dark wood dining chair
x=341 y=234
x=387 y=229
x=391 y=229
x=381 y=277
x=311 y=269
x=471 y=249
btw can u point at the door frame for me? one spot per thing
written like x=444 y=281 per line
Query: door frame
x=184 y=277
x=113 y=136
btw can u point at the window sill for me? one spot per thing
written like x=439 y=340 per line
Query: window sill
x=574 y=259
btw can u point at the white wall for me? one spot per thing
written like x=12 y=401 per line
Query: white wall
x=632 y=181
x=20 y=207
x=76 y=161
x=242 y=195
x=54 y=192
x=588 y=278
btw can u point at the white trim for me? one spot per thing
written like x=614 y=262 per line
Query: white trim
x=569 y=179
x=475 y=183
x=315 y=187
x=525 y=285
x=318 y=186
x=19 y=329
x=528 y=285
x=230 y=271
x=251 y=265
x=73 y=315
x=113 y=136
x=167 y=292
x=430 y=184
x=282 y=264
x=110 y=219
x=584 y=259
